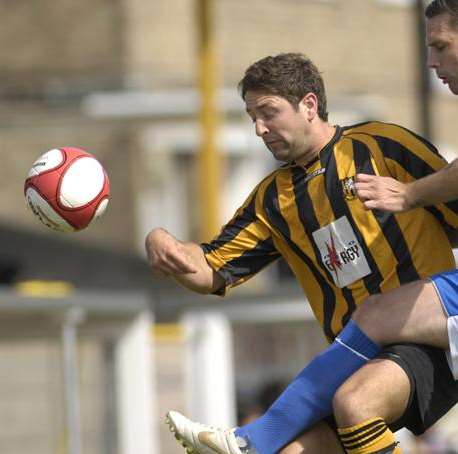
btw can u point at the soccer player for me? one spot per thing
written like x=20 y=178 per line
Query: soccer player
x=391 y=194
x=340 y=256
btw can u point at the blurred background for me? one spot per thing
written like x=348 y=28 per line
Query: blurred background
x=94 y=350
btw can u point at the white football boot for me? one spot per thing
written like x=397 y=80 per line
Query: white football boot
x=199 y=438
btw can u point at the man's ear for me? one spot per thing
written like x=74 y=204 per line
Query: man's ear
x=309 y=105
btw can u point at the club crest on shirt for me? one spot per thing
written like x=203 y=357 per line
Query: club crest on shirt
x=348 y=188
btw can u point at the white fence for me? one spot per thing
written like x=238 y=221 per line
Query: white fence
x=76 y=374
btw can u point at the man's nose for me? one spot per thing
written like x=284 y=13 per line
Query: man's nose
x=260 y=128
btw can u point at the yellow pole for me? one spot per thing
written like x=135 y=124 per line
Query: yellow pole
x=208 y=157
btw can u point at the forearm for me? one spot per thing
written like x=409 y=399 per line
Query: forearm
x=185 y=262
x=204 y=280
x=441 y=186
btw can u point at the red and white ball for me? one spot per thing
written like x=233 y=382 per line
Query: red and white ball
x=67 y=188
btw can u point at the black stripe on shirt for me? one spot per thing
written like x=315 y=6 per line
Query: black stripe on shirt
x=307 y=214
x=340 y=208
x=424 y=141
x=405 y=268
x=452 y=205
x=250 y=262
x=233 y=227
x=272 y=210
x=408 y=160
x=310 y=223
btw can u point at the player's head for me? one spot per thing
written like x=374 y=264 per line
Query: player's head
x=442 y=40
x=437 y=7
x=285 y=97
x=289 y=75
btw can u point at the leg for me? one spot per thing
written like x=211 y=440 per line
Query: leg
x=308 y=398
x=202 y=439
x=305 y=402
x=320 y=438
x=376 y=395
x=408 y=314
x=411 y=313
x=408 y=376
x=380 y=388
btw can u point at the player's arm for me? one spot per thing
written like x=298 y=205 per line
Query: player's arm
x=184 y=261
x=388 y=194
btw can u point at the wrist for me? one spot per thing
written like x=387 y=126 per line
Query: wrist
x=411 y=196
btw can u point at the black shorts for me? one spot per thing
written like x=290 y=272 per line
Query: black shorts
x=433 y=391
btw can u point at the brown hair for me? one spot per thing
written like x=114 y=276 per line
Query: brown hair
x=290 y=75
x=437 y=7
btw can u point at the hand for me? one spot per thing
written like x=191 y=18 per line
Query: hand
x=166 y=255
x=383 y=193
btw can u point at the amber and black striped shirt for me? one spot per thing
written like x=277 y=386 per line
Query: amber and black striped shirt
x=340 y=252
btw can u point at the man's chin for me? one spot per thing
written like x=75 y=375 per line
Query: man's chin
x=281 y=158
x=281 y=155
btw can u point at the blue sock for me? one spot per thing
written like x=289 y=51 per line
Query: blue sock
x=308 y=398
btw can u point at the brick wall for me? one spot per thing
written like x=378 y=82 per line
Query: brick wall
x=59 y=51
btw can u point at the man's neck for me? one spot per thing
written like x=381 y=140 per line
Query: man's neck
x=323 y=135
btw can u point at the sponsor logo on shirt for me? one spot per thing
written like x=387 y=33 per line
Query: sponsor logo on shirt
x=341 y=252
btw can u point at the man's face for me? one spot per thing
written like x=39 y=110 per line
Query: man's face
x=282 y=128
x=442 y=41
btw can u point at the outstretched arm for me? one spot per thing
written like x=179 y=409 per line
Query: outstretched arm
x=184 y=261
x=388 y=194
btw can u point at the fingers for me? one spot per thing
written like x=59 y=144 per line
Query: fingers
x=365 y=178
x=381 y=193
x=371 y=204
x=166 y=255
x=364 y=184
x=373 y=191
x=367 y=198
x=363 y=194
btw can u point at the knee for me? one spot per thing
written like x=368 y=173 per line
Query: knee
x=349 y=404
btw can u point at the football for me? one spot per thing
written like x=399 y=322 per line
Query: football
x=67 y=189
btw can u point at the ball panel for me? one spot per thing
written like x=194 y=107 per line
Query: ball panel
x=46 y=184
x=45 y=212
x=73 y=153
x=47 y=161
x=101 y=208
x=81 y=183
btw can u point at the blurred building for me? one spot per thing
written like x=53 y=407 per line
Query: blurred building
x=118 y=78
